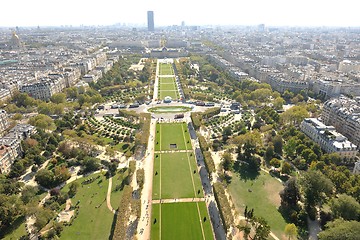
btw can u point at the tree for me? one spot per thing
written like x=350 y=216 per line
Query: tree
x=290 y=195
x=45 y=178
x=291 y=231
x=43 y=216
x=290 y=147
x=43 y=122
x=294 y=115
x=73 y=187
x=90 y=164
x=262 y=229
x=278 y=103
x=58 y=227
x=269 y=153
x=278 y=144
x=316 y=185
x=329 y=158
x=340 y=229
x=226 y=133
x=287 y=95
x=39 y=159
x=28 y=193
x=61 y=174
x=275 y=162
x=308 y=155
x=10 y=209
x=286 y=168
x=246 y=229
x=226 y=161
x=58 y=98
x=346 y=207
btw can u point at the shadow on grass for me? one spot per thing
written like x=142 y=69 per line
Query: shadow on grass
x=15 y=225
x=111 y=236
x=245 y=172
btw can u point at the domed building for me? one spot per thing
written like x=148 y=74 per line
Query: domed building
x=15 y=41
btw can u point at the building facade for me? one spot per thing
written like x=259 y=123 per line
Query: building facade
x=4 y=121
x=10 y=145
x=44 y=89
x=344 y=114
x=328 y=138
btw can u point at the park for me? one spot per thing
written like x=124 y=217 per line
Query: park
x=179 y=210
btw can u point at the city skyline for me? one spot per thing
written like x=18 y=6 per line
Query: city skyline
x=229 y=12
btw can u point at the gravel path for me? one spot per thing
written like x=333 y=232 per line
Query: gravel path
x=146 y=193
x=108 y=197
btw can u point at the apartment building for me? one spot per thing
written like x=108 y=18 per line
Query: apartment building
x=10 y=145
x=281 y=84
x=328 y=138
x=344 y=114
x=45 y=88
x=4 y=121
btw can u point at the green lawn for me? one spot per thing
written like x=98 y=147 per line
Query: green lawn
x=167 y=87
x=176 y=176
x=172 y=133
x=173 y=94
x=180 y=221
x=169 y=109
x=116 y=195
x=165 y=80
x=264 y=198
x=94 y=219
x=166 y=69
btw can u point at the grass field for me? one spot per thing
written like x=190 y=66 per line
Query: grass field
x=264 y=198
x=173 y=94
x=176 y=175
x=166 y=80
x=172 y=133
x=179 y=221
x=169 y=109
x=166 y=69
x=167 y=87
x=94 y=219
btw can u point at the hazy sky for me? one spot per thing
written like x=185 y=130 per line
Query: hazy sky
x=171 y=12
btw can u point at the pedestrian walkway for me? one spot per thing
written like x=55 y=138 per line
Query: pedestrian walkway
x=108 y=197
x=177 y=200
x=174 y=151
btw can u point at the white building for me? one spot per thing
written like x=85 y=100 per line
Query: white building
x=328 y=138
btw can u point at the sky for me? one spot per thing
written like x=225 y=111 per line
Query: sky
x=170 y=12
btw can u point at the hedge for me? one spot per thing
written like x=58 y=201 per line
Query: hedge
x=209 y=162
x=223 y=205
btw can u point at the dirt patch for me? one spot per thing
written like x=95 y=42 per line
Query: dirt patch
x=272 y=192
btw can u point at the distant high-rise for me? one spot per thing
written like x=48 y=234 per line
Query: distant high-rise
x=150 y=17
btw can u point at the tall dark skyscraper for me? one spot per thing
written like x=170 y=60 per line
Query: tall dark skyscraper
x=150 y=17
